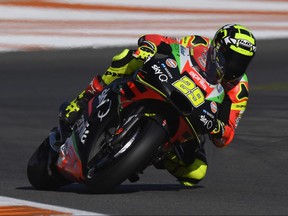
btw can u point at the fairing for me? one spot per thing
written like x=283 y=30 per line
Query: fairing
x=167 y=86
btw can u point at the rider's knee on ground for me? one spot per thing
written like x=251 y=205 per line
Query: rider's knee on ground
x=194 y=173
x=187 y=174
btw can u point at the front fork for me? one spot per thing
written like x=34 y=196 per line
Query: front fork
x=134 y=119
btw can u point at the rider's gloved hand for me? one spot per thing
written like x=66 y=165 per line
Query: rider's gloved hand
x=217 y=133
x=145 y=51
x=218 y=130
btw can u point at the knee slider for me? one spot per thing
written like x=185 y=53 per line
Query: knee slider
x=197 y=170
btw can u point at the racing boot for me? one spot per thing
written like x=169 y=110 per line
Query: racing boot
x=70 y=112
x=192 y=167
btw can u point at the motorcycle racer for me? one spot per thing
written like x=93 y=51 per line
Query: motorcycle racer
x=224 y=60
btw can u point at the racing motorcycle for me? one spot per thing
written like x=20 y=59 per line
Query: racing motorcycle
x=131 y=124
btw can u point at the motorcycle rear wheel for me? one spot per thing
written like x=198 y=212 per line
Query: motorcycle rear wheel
x=145 y=139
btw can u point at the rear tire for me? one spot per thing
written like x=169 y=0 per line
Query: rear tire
x=136 y=156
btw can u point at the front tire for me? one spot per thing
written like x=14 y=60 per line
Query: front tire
x=41 y=170
x=146 y=138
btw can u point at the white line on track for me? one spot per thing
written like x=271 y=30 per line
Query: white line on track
x=6 y=201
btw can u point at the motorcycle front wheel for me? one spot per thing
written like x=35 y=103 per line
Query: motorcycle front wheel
x=109 y=166
x=41 y=169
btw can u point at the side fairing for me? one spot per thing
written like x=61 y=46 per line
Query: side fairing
x=100 y=110
x=204 y=97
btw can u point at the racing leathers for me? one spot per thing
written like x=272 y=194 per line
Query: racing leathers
x=193 y=169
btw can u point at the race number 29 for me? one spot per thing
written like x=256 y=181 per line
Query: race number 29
x=190 y=90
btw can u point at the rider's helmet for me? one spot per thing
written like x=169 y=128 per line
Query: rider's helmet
x=230 y=52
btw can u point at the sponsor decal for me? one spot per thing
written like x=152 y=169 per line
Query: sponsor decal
x=219 y=88
x=184 y=51
x=239 y=106
x=213 y=106
x=200 y=80
x=243 y=43
x=162 y=77
x=202 y=62
x=167 y=71
x=207 y=123
x=238 y=119
x=113 y=74
x=102 y=101
x=203 y=59
x=208 y=113
x=185 y=41
x=82 y=129
x=171 y=63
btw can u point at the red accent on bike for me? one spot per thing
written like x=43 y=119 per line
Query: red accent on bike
x=119 y=131
x=69 y=164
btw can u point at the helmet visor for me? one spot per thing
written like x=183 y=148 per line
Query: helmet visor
x=236 y=65
x=215 y=69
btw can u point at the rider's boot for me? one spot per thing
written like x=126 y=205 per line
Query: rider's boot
x=192 y=167
x=70 y=112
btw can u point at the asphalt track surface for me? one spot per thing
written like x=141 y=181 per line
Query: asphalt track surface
x=250 y=177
